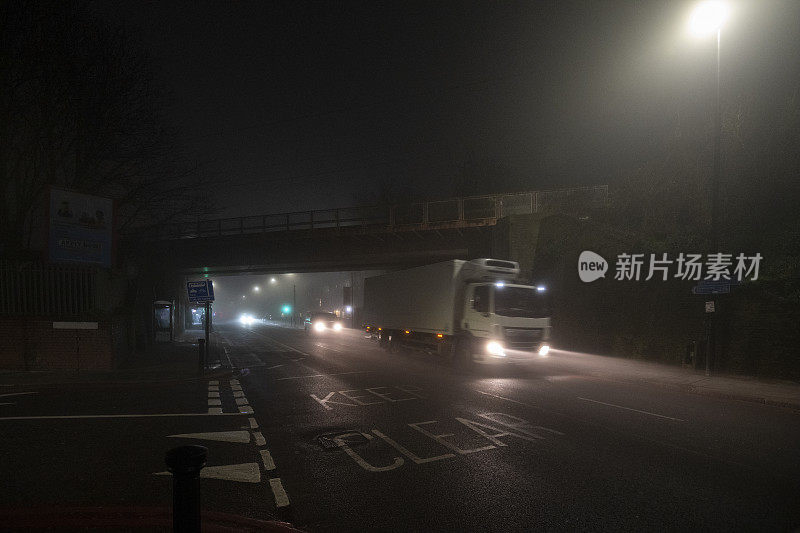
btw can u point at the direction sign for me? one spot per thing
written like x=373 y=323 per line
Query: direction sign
x=200 y=291
x=707 y=286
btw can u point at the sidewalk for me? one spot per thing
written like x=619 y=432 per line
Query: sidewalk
x=781 y=393
x=160 y=363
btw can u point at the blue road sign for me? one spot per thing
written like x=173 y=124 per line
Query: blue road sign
x=200 y=291
x=722 y=286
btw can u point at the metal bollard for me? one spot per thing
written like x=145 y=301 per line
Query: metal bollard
x=201 y=356
x=185 y=464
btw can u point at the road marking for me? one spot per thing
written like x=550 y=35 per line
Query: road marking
x=8 y=403
x=245 y=410
x=502 y=398
x=213 y=382
x=253 y=423
x=213 y=388
x=78 y=417
x=326 y=375
x=213 y=394
x=409 y=454
x=236 y=387
x=281 y=498
x=266 y=458
x=238 y=394
x=272 y=367
x=241 y=401
x=234 y=382
x=215 y=410
x=212 y=401
x=397 y=462
x=259 y=438
x=245 y=473
x=630 y=409
x=221 y=436
x=17 y=394
x=283 y=345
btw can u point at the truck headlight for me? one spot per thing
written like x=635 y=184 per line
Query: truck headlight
x=544 y=350
x=495 y=348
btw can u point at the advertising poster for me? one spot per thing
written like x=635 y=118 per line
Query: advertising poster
x=80 y=228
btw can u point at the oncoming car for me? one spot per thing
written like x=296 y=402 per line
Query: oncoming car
x=322 y=322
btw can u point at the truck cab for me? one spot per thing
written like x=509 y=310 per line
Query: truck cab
x=506 y=321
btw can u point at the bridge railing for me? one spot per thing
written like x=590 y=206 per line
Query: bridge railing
x=453 y=212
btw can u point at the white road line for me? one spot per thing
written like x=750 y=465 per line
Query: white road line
x=215 y=410
x=213 y=382
x=238 y=394
x=282 y=345
x=234 y=382
x=281 y=499
x=272 y=367
x=221 y=436
x=236 y=387
x=212 y=394
x=79 y=417
x=17 y=394
x=630 y=409
x=266 y=458
x=253 y=423
x=245 y=410
x=502 y=398
x=213 y=388
x=326 y=375
x=259 y=438
x=213 y=401
x=8 y=403
x=241 y=401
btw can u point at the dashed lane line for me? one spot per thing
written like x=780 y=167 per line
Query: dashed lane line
x=259 y=438
x=266 y=459
x=16 y=394
x=326 y=375
x=630 y=409
x=281 y=498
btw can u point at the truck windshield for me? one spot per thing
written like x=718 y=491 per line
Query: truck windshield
x=521 y=302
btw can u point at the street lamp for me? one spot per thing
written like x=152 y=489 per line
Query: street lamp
x=709 y=17
x=273 y=280
x=706 y=19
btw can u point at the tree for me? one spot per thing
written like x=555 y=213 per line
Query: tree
x=79 y=109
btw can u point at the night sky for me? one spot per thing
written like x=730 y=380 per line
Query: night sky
x=293 y=105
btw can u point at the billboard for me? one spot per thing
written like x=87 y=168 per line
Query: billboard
x=80 y=228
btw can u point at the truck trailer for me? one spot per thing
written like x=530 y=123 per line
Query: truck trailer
x=469 y=311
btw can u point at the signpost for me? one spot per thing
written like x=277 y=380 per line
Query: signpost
x=202 y=292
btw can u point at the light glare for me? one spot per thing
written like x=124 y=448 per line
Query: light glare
x=708 y=17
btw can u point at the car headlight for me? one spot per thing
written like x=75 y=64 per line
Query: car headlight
x=319 y=326
x=544 y=350
x=495 y=348
x=337 y=327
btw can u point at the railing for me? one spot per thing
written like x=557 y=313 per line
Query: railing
x=454 y=212
x=29 y=288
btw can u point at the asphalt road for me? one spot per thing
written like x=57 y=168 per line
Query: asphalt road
x=335 y=434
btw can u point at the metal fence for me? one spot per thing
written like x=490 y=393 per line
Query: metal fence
x=454 y=212
x=31 y=288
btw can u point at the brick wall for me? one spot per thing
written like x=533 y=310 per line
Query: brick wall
x=31 y=343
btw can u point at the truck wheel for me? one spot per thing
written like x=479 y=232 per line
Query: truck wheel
x=462 y=356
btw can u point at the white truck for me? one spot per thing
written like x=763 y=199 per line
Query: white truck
x=471 y=311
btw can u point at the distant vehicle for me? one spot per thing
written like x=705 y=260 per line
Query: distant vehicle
x=322 y=322
x=469 y=311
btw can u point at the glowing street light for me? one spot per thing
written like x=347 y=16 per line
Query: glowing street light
x=256 y=288
x=273 y=280
x=708 y=17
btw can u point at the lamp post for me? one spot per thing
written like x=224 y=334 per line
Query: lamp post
x=708 y=18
